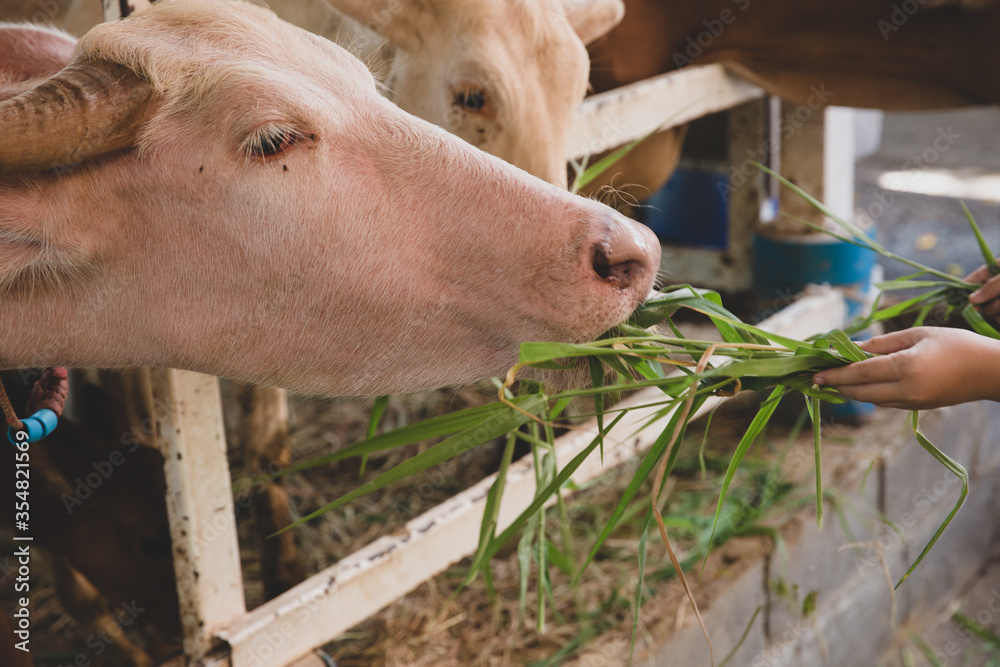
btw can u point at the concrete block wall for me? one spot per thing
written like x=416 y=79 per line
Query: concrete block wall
x=851 y=622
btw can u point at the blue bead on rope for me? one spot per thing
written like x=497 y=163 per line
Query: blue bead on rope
x=37 y=426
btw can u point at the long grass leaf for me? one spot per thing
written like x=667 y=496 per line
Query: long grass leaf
x=756 y=426
x=541 y=497
x=499 y=424
x=488 y=527
x=956 y=469
x=433 y=427
x=978 y=322
x=988 y=257
x=645 y=468
x=812 y=406
x=640 y=583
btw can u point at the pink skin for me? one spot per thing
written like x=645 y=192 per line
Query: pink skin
x=927 y=367
x=375 y=254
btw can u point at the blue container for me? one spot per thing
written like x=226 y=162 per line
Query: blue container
x=691 y=209
x=783 y=266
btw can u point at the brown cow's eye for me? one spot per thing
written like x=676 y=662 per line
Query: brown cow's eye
x=471 y=100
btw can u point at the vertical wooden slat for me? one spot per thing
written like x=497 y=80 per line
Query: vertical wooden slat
x=119 y=9
x=817 y=154
x=200 y=505
x=192 y=440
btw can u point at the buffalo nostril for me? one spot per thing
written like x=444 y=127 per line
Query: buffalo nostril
x=620 y=274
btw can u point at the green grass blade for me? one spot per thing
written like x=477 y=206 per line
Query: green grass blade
x=434 y=427
x=743 y=638
x=640 y=584
x=926 y=650
x=488 y=527
x=645 y=468
x=704 y=443
x=978 y=322
x=586 y=177
x=988 y=257
x=956 y=469
x=378 y=410
x=980 y=631
x=812 y=405
x=847 y=347
x=541 y=497
x=767 y=408
x=498 y=425
x=524 y=566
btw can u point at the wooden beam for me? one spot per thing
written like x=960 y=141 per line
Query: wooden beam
x=199 y=504
x=339 y=597
x=616 y=117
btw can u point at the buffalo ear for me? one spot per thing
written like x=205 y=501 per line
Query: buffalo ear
x=592 y=19
x=30 y=52
x=396 y=20
x=87 y=109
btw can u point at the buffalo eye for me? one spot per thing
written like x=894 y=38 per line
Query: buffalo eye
x=270 y=140
x=471 y=100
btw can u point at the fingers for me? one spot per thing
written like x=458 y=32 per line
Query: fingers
x=885 y=394
x=990 y=289
x=869 y=371
x=980 y=275
x=893 y=342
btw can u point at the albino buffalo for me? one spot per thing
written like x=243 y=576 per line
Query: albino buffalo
x=207 y=187
x=505 y=75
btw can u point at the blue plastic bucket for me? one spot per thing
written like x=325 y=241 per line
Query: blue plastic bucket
x=692 y=209
x=784 y=265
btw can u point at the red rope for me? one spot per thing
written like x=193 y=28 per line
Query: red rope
x=8 y=410
x=50 y=391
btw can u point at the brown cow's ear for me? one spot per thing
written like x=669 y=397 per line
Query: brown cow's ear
x=592 y=19
x=396 y=20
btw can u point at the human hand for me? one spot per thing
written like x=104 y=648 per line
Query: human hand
x=923 y=367
x=985 y=298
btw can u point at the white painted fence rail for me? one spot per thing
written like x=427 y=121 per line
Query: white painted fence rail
x=616 y=117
